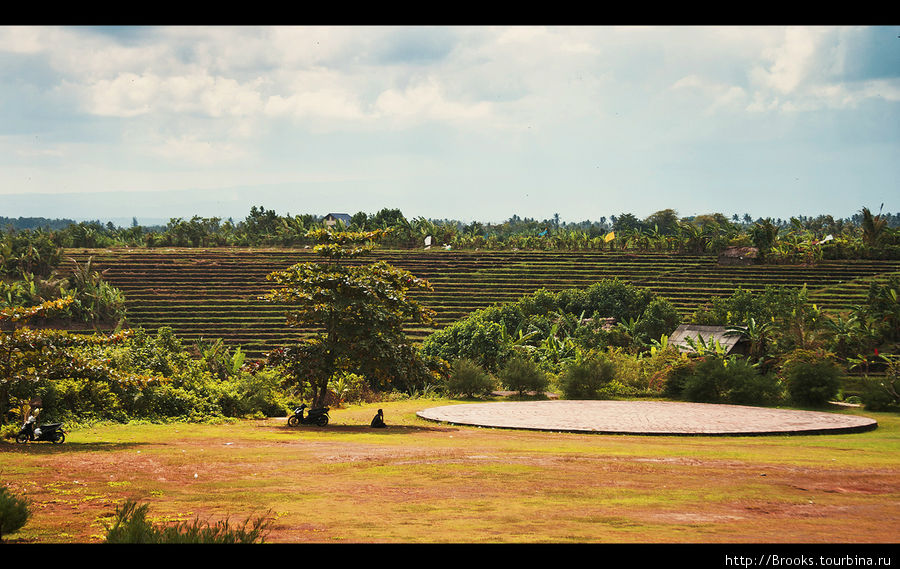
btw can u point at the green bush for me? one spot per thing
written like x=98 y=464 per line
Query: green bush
x=749 y=387
x=14 y=512
x=474 y=339
x=876 y=397
x=522 y=374
x=85 y=398
x=659 y=318
x=130 y=525
x=350 y=388
x=812 y=377
x=676 y=377
x=248 y=394
x=587 y=378
x=883 y=394
x=468 y=379
x=708 y=381
x=727 y=380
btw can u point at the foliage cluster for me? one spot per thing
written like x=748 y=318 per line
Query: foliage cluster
x=29 y=277
x=781 y=319
x=552 y=328
x=800 y=239
x=129 y=375
x=360 y=310
x=729 y=379
x=796 y=354
x=468 y=379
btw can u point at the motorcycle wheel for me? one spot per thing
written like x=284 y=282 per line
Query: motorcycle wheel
x=59 y=439
x=22 y=438
x=322 y=420
x=293 y=421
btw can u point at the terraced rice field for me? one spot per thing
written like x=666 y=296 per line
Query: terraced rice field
x=213 y=293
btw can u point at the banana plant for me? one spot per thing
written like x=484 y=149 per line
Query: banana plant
x=704 y=348
x=518 y=339
x=757 y=333
x=237 y=360
x=860 y=361
x=657 y=346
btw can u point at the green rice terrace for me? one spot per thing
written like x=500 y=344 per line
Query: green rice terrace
x=213 y=293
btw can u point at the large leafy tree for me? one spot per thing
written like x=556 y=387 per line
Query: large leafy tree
x=358 y=310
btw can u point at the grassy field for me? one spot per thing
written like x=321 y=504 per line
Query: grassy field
x=425 y=482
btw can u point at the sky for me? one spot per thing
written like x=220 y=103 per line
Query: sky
x=448 y=122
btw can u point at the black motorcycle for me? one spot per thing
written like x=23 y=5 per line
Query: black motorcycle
x=314 y=417
x=52 y=432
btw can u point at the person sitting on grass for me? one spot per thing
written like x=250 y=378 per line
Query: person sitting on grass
x=378 y=420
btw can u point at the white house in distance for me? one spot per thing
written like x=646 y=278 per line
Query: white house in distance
x=332 y=218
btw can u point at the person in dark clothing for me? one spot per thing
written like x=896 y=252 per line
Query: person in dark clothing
x=378 y=420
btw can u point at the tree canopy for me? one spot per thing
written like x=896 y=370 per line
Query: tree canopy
x=358 y=310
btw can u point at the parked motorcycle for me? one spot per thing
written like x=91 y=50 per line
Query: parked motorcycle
x=31 y=431
x=313 y=417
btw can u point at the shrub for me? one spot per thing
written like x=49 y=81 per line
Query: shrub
x=251 y=394
x=749 y=387
x=883 y=394
x=522 y=375
x=659 y=318
x=474 y=339
x=676 y=377
x=350 y=388
x=131 y=526
x=708 y=381
x=14 y=512
x=811 y=376
x=727 y=380
x=585 y=379
x=468 y=379
x=875 y=397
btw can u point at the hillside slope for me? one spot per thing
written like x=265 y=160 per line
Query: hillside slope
x=213 y=293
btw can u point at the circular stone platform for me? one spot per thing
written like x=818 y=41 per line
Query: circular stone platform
x=647 y=418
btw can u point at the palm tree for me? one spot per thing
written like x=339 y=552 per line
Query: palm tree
x=873 y=226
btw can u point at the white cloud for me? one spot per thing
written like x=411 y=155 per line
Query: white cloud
x=192 y=149
x=24 y=39
x=427 y=101
x=130 y=95
x=317 y=104
x=716 y=96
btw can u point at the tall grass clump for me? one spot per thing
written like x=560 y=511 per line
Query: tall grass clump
x=130 y=525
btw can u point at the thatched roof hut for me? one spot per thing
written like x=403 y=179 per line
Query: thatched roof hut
x=732 y=343
x=739 y=256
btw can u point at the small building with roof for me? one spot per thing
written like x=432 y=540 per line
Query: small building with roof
x=731 y=342
x=332 y=218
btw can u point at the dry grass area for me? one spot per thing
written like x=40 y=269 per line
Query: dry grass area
x=418 y=481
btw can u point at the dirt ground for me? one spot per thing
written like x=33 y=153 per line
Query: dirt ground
x=419 y=481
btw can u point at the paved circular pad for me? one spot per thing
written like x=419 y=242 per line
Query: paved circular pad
x=647 y=418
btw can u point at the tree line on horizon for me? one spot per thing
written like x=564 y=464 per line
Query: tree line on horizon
x=798 y=239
